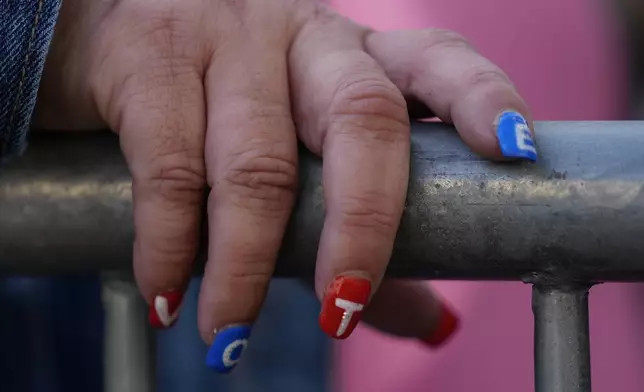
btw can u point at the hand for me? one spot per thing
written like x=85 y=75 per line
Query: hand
x=217 y=92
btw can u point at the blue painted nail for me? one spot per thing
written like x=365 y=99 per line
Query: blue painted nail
x=514 y=137
x=227 y=348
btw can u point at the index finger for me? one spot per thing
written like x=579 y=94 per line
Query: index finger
x=441 y=69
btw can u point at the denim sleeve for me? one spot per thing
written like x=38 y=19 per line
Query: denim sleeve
x=26 y=29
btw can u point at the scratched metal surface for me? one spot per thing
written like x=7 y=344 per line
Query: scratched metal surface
x=577 y=214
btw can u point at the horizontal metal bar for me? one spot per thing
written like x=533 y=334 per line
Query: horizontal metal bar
x=578 y=214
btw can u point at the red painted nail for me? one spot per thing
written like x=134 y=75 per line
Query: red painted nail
x=448 y=324
x=164 y=310
x=342 y=305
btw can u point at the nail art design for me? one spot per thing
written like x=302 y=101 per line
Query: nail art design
x=515 y=138
x=342 y=305
x=448 y=324
x=164 y=310
x=227 y=347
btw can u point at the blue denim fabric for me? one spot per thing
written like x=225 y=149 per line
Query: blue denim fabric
x=26 y=29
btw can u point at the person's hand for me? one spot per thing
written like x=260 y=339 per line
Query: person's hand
x=217 y=92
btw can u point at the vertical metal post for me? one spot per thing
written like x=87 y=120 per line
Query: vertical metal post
x=129 y=346
x=561 y=339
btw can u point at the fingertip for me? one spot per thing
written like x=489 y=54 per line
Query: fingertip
x=496 y=124
x=410 y=309
x=447 y=326
x=165 y=308
x=164 y=252
x=441 y=70
x=514 y=136
x=227 y=347
x=343 y=303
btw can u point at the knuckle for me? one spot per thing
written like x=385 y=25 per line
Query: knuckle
x=440 y=39
x=483 y=75
x=163 y=19
x=370 y=211
x=159 y=30
x=176 y=177
x=252 y=267
x=261 y=180
x=371 y=106
x=259 y=110
x=487 y=77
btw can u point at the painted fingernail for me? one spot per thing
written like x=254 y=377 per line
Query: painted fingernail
x=342 y=305
x=448 y=324
x=165 y=308
x=227 y=347
x=515 y=138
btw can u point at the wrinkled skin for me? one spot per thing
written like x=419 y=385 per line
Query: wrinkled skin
x=217 y=93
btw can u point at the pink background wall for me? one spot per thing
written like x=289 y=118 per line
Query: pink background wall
x=564 y=59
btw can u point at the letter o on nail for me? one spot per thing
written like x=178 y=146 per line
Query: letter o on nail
x=227 y=355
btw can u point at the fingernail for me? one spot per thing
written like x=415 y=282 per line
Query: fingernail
x=448 y=324
x=164 y=310
x=227 y=347
x=342 y=305
x=515 y=138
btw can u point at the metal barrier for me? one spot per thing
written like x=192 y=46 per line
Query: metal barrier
x=574 y=219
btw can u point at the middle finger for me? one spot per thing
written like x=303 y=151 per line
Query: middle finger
x=251 y=158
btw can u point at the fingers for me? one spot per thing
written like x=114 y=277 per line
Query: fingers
x=410 y=309
x=351 y=114
x=441 y=69
x=251 y=158
x=161 y=125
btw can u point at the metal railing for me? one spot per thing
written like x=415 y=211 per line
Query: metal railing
x=574 y=219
